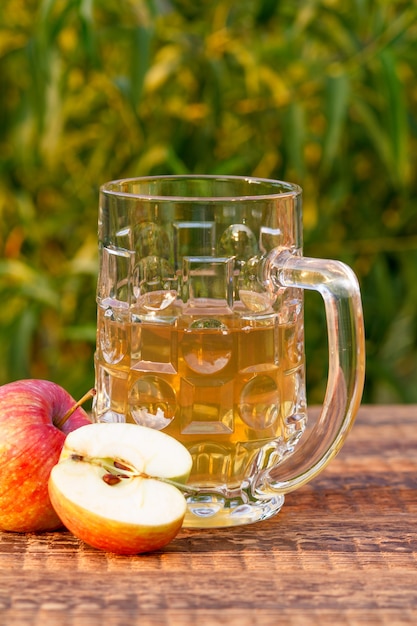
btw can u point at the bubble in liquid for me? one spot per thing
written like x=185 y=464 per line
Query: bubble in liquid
x=259 y=402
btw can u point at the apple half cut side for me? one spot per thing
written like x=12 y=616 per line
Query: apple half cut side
x=114 y=487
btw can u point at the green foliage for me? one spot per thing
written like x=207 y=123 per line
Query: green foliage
x=319 y=92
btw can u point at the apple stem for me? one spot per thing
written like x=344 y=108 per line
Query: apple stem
x=90 y=394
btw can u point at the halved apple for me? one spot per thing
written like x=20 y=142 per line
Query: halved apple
x=114 y=486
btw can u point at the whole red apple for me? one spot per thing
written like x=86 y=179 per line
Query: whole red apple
x=30 y=445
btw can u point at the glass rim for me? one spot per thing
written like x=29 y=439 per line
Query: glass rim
x=287 y=189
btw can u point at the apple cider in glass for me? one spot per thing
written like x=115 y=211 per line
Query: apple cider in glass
x=228 y=389
x=194 y=338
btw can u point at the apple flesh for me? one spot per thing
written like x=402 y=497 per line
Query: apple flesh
x=30 y=445
x=113 y=487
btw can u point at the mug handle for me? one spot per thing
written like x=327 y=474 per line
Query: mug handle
x=339 y=288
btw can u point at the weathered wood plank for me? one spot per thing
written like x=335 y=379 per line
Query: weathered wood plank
x=342 y=551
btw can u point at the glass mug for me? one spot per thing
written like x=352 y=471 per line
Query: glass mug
x=200 y=334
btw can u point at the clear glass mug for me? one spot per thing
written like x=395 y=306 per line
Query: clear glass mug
x=200 y=334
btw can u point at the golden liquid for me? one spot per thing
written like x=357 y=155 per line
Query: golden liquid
x=230 y=389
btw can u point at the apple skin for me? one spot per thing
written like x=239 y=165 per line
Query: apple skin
x=110 y=535
x=30 y=445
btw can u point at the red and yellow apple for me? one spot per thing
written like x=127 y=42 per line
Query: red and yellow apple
x=31 y=440
x=116 y=486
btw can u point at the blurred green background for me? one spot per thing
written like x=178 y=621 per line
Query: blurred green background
x=318 y=92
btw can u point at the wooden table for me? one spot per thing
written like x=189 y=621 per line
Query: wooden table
x=343 y=551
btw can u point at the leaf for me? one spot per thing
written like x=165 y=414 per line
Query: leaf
x=139 y=60
x=396 y=116
x=376 y=133
x=295 y=138
x=337 y=99
x=20 y=343
x=28 y=282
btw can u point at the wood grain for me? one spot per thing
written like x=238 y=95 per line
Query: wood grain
x=343 y=551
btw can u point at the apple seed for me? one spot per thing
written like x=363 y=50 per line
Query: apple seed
x=112 y=479
x=122 y=466
x=76 y=457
